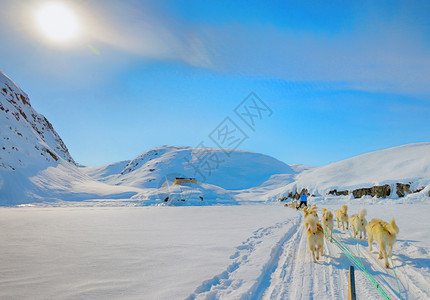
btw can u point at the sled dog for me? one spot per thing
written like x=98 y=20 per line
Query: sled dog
x=384 y=234
x=315 y=237
x=327 y=223
x=358 y=223
x=342 y=216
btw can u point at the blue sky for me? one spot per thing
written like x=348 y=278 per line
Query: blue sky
x=342 y=78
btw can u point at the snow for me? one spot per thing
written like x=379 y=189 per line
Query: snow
x=124 y=230
x=222 y=252
x=237 y=170
x=408 y=164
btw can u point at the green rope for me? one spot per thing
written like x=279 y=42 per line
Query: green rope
x=356 y=244
x=391 y=259
x=358 y=264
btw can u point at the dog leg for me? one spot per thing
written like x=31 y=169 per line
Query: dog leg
x=317 y=252
x=370 y=242
x=312 y=253
x=386 y=260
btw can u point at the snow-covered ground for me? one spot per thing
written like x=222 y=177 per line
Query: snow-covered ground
x=212 y=252
x=73 y=232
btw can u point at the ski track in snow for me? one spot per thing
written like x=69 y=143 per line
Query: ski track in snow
x=288 y=273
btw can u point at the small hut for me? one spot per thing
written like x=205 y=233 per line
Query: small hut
x=180 y=180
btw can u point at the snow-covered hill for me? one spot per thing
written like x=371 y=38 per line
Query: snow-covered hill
x=408 y=164
x=239 y=170
x=35 y=164
x=221 y=178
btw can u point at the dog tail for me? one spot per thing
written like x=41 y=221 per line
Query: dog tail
x=362 y=212
x=345 y=208
x=392 y=227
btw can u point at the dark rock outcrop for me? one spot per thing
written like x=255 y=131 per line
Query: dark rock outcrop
x=402 y=189
x=338 y=193
x=378 y=191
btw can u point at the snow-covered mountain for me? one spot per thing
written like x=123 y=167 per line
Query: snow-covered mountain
x=27 y=136
x=402 y=169
x=35 y=164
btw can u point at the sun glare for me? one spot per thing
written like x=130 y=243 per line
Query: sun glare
x=57 y=22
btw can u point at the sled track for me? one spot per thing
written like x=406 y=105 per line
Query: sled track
x=413 y=284
x=266 y=267
x=234 y=281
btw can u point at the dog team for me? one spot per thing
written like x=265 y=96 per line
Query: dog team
x=377 y=230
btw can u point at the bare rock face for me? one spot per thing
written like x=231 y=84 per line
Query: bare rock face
x=27 y=137
x=338 y=193
x=378 y=191
x=402 y=189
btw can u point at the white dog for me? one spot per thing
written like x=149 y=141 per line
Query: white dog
x=342 y=216
x=327 y=223
x=384 y=234
x=315 y=236
x=358 y=223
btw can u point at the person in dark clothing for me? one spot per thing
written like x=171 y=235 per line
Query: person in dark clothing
x=303 y=201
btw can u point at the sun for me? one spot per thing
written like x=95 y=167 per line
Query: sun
x=57 y=22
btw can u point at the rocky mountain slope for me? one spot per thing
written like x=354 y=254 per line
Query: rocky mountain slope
x=35 y=164
x=26 y=135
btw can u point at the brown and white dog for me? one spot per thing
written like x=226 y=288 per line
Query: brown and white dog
x=327 y=223
x=358 y=223
x=342 y=216
x=384 y=234
x=315 y=236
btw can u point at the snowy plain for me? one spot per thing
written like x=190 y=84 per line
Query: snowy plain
x=254 y=251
